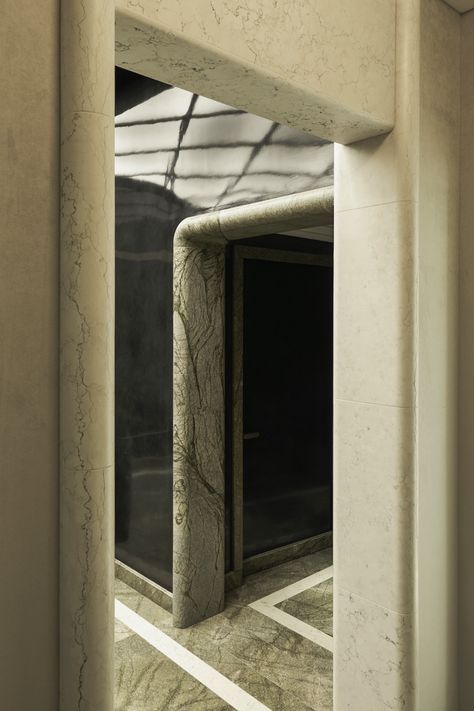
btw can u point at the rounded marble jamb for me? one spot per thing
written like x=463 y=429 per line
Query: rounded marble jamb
x=373 y=657
x=198 y=429
x=87 y=292
x=87 y=56
x=87 y=356
x=86 y=414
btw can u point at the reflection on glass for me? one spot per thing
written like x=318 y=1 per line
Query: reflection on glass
x=177 y=154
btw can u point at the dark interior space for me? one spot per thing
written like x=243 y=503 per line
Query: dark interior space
x=287 y=402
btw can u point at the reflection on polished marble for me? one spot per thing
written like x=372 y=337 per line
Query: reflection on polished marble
x=278 y=667
x=313 y=606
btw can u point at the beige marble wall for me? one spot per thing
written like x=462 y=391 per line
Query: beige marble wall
x=334 y=77
x=466 y=380
x=29 y=154
x=395 y=361
x=86 y=356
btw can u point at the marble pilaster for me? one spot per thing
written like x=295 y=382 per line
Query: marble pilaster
x=198 y=429
x=395 y=355
x=86 y=356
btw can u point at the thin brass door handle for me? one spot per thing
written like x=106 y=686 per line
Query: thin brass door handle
x=251 y=435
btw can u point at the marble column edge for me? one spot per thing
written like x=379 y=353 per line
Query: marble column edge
x=86 y=355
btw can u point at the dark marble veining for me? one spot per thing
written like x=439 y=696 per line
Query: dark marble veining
x=275 y=665
x=198 y=430
x=146 y=680
x=314 y=606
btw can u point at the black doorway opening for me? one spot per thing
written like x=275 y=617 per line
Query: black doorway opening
x=282 y=478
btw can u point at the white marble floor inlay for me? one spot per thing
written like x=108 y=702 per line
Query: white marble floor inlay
x=266 y=605
x=193 y=665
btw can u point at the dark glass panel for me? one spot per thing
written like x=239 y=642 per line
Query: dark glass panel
x=287 y=403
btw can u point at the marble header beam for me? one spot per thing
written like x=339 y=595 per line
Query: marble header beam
x=198 y=387
x=335 y=78
x=307 y=209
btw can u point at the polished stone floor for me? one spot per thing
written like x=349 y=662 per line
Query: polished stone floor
x=275 y=667
x=313 y=606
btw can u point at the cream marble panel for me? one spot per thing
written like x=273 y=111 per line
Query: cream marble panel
x=198 y=429
x=336 y=78
x=384 y=169
x=373 y=660
x=374 y=502
x=373 y=307
x=87 y=41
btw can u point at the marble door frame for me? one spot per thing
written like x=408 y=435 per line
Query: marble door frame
x=87 y=287
x=198 y=387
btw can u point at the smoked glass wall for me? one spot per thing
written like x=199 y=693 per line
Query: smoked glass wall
x=177 y=154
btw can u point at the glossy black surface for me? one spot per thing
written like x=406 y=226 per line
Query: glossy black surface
x=287 y=373
x=177 y=154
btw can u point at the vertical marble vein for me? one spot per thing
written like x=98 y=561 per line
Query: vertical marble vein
x=198 y=430
x=86 y=356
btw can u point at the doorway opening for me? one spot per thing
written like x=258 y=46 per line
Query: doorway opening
x=191 y=519
x=279 y=403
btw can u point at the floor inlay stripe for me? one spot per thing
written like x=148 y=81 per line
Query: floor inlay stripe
x=295 y=625
x=300 y=586
x=193 y=665
x=266 y=606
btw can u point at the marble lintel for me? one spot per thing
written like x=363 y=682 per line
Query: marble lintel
x=224 y=51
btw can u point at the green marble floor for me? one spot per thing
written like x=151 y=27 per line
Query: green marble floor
x=313 y=606
x=276 y=666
